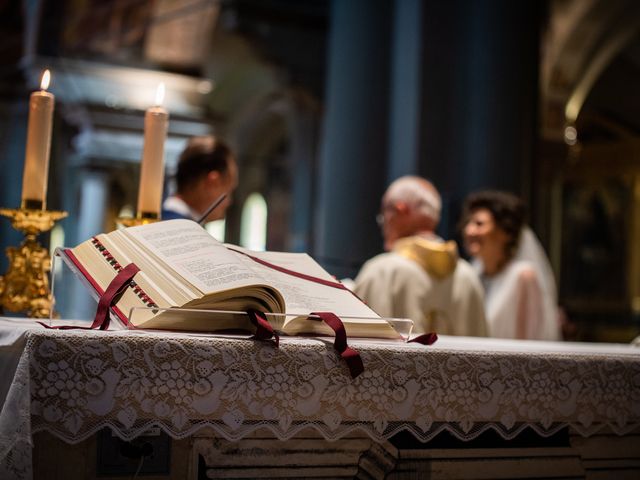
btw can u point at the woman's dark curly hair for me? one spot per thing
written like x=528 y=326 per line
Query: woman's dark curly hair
x=507 y=209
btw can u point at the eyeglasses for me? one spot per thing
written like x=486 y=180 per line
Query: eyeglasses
x=380 y=216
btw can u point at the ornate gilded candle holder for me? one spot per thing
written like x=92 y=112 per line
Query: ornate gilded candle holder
x=140 y=219
x=25 y=286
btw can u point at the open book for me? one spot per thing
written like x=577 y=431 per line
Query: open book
x=183 y=267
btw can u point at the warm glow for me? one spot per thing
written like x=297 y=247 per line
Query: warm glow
x=46 y=78
x=253 y=223
x=570 y=135
x=160 y=94
x=216 y=229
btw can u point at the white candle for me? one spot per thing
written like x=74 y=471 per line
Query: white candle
x=156 y=121
x=36 y=162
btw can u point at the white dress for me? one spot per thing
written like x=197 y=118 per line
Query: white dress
x=521 y=300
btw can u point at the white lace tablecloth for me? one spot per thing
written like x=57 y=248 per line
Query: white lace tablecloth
x=73 y=383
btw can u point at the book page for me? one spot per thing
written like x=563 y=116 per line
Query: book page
x=125 y=258
x=194 y=254
x=304 y=296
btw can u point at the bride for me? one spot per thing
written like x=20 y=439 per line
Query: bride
x=520 y=290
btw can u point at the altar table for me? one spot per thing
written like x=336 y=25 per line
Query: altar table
x=70 y=384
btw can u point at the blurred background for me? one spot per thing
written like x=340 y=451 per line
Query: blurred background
x=327 y=101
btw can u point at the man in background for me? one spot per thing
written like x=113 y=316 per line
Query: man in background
x=421 y=276
x=206 y=170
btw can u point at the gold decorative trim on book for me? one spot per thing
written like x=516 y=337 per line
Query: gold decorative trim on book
x=137 y=289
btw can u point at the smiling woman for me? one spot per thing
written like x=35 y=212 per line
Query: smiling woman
x=493 y=224
x=520 y=293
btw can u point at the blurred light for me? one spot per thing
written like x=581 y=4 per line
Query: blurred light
x=572 y=109
x=46 y=78
x=204 y=87
x=160 y=94
x=112 y=101
x=570 y=135
x=56 y=239
x=126 y=211
x=216 y=229
x=253 y=224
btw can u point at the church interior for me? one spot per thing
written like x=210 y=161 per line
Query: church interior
x=325 y=103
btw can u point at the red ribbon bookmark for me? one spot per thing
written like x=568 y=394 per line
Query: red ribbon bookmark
x=108 y=298
x=350 y=355
x=425 y=339
x=304 y=276
x=264 y=330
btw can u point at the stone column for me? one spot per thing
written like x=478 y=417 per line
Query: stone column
x=479 y=98
x=303 y=125
x=406 y=77
x=354 y=146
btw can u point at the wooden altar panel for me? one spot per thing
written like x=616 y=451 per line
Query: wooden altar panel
x=599 y=457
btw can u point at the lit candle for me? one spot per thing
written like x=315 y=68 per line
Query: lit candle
x=36 y=161
x=156 y=121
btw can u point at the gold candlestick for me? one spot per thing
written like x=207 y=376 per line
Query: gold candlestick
x=25 y=286
x=140 y=219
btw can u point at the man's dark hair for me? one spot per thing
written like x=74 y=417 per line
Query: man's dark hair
x=507 y=209
x=201 y=156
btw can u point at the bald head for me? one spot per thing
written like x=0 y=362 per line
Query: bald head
x=410 y=206
x=418 y=193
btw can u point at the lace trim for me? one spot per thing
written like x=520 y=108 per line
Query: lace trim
x=223 y=431
x=73 y=383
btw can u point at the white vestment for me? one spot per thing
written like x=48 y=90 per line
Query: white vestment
x=521 y=299
x=426 y=282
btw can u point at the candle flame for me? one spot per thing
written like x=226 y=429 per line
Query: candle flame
x=46 y=78
x=160 y=94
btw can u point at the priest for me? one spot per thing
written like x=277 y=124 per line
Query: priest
x=420 y=276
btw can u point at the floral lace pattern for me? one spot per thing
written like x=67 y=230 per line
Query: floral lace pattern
x=80 y=382
x=15 y=427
